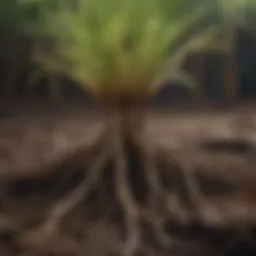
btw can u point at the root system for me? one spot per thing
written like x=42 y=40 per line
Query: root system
x=136 y=193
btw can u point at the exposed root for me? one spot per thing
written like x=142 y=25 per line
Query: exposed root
x=63 y=207
x=147 y=149
x=134 y=214
x=126 y=199
x=175 y=209
x=192 y=191
x=195 y=198
x=149 y=159
x=157 y=222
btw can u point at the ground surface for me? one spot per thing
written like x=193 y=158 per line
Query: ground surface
x=217 y=146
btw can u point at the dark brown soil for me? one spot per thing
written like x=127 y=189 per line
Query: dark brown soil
x=43 y=156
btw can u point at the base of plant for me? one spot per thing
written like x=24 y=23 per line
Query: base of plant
x=139 y=168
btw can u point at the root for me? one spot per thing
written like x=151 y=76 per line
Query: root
x=157 y=222
x=195 y=198
x=149 y=159
x=126 y=199
x=192 y=191
x=149 y=150
x=133 y=212
x=66 y=205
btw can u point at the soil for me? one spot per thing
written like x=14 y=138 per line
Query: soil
x=42 y=156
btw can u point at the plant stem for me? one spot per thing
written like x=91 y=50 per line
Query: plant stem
x=123 y=190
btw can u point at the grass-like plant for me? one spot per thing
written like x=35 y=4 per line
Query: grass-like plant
x=120 y=51
x=115 y=48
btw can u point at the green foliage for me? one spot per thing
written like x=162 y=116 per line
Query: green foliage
x=116 y=45
x=236 y=11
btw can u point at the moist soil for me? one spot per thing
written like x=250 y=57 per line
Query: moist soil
x=43 y=156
